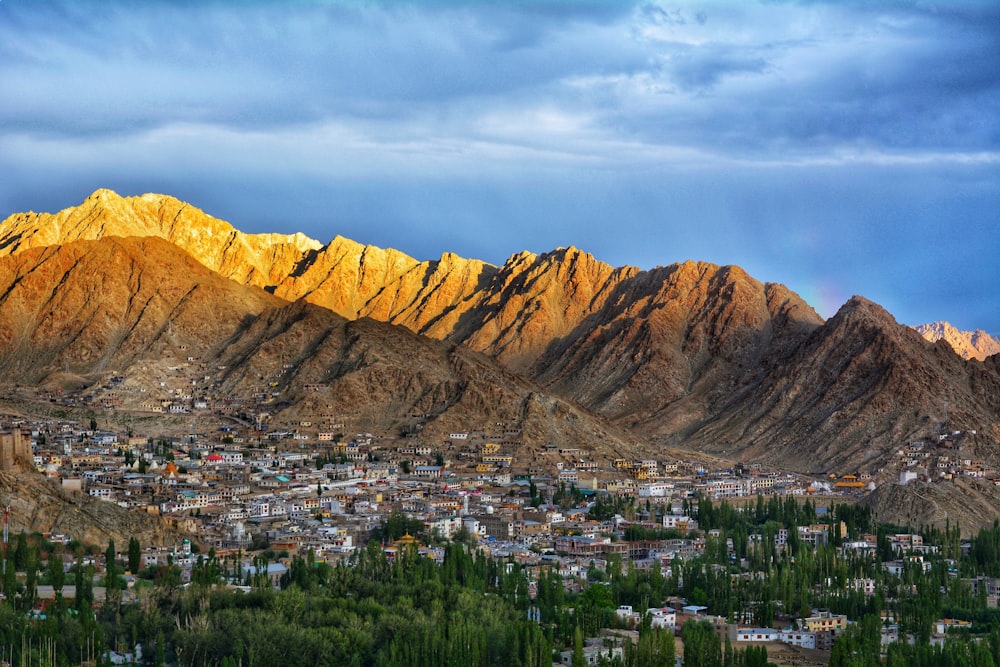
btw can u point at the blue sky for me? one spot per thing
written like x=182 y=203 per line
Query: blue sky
x=837 y=147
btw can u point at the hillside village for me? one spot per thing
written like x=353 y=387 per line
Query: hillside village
x=243 y=482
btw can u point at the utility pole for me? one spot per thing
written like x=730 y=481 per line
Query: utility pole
x=6 y=533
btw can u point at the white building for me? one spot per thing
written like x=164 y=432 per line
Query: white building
x=663 y=617
x=655 y=490
x=757 y=635
x=801 y=638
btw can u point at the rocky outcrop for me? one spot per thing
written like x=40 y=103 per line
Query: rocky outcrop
x=15 y=451
x=968 y=503
x=38 y=504
x=968 y=344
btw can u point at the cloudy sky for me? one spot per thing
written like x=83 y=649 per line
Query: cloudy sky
x=837 y=147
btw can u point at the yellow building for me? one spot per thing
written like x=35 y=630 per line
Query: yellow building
x=826 y=621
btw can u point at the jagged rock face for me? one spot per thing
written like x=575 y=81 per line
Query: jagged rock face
x=15 y=451
x=99 y=305
x=254 y=259
x=535 y=300
x=355 y=280
x=668 y=343
x=968 y=344
x=859 y=386
x=432 y=297
x=689 y=354
x=344 y=276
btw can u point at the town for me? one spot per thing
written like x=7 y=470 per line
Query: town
x=259 y=494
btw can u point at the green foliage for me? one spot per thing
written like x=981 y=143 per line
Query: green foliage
x=602 y=509
x=655 y=648
x=56 y=575
x=578 y=658
x=398 y=525
x=702 y=647
x=984 y=554
x=566 y=498
x=471 y=609
x=373 y=612
x=637 y=533
x=134 y=555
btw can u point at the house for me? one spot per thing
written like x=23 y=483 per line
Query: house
x=866 y=586
x=569 y=476
x=655 y=490
x=800 y=638
x=625 y=613
x=662 y=617
x=273 y=572
x=987 y=587
x=680 y=523
x=823 y=621
x=232 y=457
x=757 y=635
x=594 y=652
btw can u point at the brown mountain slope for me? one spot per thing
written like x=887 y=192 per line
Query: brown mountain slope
x=97 y=305
x=383 y=377
x=968 y=344
x=534 y=300
x=967 y=502
x=670 y=343
x=690 y=353
x=858 y=387
x=115 y=304
x=512 y=313
x=355 y=280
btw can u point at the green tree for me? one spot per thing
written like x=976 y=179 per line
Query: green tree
x=578 y=658
x=702 y=647
x=56 y=573
x=134 y=555
x=21 y=552
x=161 y=659
x=9 y=581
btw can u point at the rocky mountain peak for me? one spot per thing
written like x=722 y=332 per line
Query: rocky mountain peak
x=967 y=344
x=256 y=259
x=690 y=354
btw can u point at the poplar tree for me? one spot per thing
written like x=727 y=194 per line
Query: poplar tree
x=134 y=555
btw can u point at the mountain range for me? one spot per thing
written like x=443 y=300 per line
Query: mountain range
x=621 y=361
x=969 y=344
